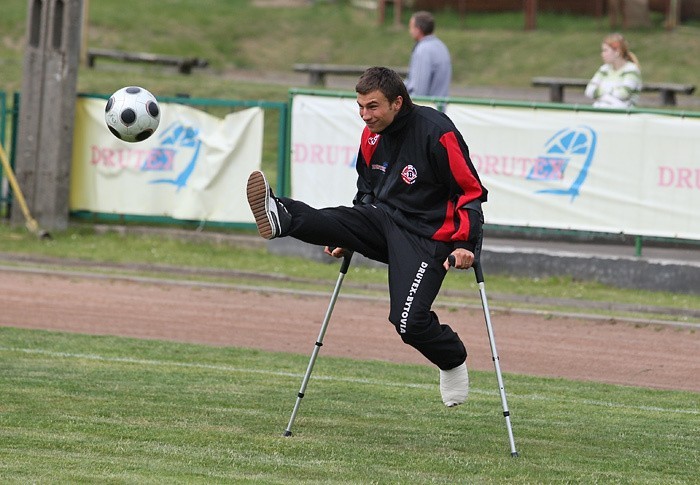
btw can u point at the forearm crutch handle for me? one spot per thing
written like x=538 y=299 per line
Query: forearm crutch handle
x=346 y=262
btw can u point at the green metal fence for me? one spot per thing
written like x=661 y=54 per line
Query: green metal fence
x=8 y=125
x=276 y=163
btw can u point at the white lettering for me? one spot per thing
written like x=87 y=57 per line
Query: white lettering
x=410 y=297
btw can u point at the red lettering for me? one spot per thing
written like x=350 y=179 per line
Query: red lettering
x=665 y=176
x=94 y=155
x=504 y=165
x=684 y=178
x=679 y=178
x=120 y=158
x=490 y=165
x=324 y=154
x=300 y=153
x=525 y=164
x=330 y=151
x=316 y=154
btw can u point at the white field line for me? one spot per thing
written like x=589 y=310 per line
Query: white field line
x=374 y=382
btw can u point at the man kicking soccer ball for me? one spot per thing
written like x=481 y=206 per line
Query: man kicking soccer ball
x=418 y=201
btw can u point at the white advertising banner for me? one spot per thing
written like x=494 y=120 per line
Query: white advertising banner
x=325 y=139
x=582 y=170
x=194 y=167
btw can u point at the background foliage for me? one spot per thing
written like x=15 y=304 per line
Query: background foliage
x=240 y=39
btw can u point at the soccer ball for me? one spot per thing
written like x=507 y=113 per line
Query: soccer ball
x=132 y=114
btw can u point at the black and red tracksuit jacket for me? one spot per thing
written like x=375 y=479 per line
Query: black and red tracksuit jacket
x=419 y=168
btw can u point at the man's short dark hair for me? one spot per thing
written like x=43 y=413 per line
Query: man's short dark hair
x=385 y=80
x=424 y=21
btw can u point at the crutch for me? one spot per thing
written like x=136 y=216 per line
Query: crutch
x=492 y=340
x=319 y=341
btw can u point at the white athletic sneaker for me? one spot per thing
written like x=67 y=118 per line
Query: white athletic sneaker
x=270 y=214
x=454 y=385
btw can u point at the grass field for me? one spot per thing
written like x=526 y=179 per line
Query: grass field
x=86 y=409
x=81 y=409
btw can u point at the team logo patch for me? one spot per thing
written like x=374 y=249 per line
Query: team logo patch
x=372 y=140
x=409 y=174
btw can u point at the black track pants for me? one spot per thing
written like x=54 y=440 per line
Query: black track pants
x=415 y=269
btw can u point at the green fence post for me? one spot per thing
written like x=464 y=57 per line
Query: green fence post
x=3 y=129
x=283 y=151
x=638 y=246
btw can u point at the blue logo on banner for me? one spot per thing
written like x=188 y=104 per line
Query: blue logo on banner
x=175 y=138
x=569 y=145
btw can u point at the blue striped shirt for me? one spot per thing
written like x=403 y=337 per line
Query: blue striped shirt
x=430 y=68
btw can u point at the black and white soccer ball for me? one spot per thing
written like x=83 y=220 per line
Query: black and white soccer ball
x=132 y=114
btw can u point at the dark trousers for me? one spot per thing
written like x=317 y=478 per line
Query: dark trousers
x=415 y=269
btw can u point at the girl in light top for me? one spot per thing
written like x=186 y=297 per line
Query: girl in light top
x=618 y=81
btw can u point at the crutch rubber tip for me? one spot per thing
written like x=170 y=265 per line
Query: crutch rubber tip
x=514 y=454
x=287 y=433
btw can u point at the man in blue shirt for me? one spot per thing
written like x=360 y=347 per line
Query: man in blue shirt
x=430 y=67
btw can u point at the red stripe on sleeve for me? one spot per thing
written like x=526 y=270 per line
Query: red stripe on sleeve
x=459 y=167
x=451 y=229
x=448 y=226
x=462 y=233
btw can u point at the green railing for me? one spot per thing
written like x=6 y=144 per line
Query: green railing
x=280 y=138
x=7 y=125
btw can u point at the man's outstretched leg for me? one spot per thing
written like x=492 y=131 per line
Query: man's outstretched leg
x=270 y=214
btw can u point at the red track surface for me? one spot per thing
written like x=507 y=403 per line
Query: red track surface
x=572 y=348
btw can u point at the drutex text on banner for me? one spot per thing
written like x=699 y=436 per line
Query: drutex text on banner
x=194 y=167
x=633 y=173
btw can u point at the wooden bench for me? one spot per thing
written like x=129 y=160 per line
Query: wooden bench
x=184 y=64
x=318 y=72
x=556 y=86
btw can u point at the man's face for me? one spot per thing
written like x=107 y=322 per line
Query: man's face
x=413 y=30
x=376 y=111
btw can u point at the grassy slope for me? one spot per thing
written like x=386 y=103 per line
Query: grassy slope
x=233 y=34
x=237 y=37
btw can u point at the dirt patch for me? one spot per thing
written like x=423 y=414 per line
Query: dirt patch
x=647 y=356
